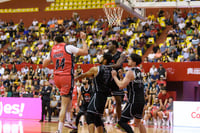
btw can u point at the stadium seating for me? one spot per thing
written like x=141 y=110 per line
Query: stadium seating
x=60 y=5
x=19 y=10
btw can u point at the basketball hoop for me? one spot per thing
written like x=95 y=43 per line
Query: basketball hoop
x=113 y=13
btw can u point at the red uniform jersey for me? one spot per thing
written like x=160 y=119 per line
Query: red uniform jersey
x=63 y=61
x=63 y=68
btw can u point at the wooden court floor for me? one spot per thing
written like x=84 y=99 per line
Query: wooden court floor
x=34 y=126
x=50 y=127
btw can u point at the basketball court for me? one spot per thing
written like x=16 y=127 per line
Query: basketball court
x=34 y=126
x=114 y=13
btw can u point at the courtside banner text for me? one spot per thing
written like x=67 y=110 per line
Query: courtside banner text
x=22 y=108
x=186 y=114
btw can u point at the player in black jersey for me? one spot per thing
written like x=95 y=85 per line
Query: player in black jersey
x=116 y=92
x=84 y=96
x=134 y=83
x=102 y=78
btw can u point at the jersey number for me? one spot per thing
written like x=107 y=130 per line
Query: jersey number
x=62 y=64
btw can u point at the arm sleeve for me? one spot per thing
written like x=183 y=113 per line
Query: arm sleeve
x=71 y=49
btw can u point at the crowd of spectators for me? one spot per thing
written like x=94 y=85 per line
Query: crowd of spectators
x=182 y=43
x=31 y=44
x=158 y=101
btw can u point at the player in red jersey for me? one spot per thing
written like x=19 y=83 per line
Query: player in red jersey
x=62 y=57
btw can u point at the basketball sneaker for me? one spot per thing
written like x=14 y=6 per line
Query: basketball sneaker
x=70 y=125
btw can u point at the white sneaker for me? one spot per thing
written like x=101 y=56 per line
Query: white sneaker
x=70 y=125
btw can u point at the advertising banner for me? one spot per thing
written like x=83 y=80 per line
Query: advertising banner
x=176 y=71
x=186 y=114
x=179 y=71
x=22 y=108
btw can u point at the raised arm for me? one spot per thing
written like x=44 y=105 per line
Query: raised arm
x=92 y=72
x=119 y=62
x=84 y=50
x=123 y=83
x=46 y=61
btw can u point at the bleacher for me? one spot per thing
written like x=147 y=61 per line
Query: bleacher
x=60 y=5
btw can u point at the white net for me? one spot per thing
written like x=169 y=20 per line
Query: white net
x=113 y=14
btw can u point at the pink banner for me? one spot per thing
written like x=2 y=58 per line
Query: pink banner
x=22 y=108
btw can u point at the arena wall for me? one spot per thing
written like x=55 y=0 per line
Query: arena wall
x=41 y=4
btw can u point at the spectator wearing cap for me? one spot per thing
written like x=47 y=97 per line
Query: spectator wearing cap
x=162 y=71
x=161 y=82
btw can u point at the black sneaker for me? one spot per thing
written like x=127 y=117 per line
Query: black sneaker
x=41 y=121
x=74 y=131
x=81 y=124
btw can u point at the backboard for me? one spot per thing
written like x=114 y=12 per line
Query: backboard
x=137 y=7
x=158 y=3
x=129 y=6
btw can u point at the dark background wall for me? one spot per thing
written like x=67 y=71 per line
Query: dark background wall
x=178 y=87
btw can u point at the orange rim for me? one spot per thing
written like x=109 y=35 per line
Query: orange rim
x=109 y=4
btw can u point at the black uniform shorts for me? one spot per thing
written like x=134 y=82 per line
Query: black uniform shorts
x=97 y=103
x=133 y=110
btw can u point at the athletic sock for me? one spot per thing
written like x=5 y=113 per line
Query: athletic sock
x=60 y=126
x=68 y=117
